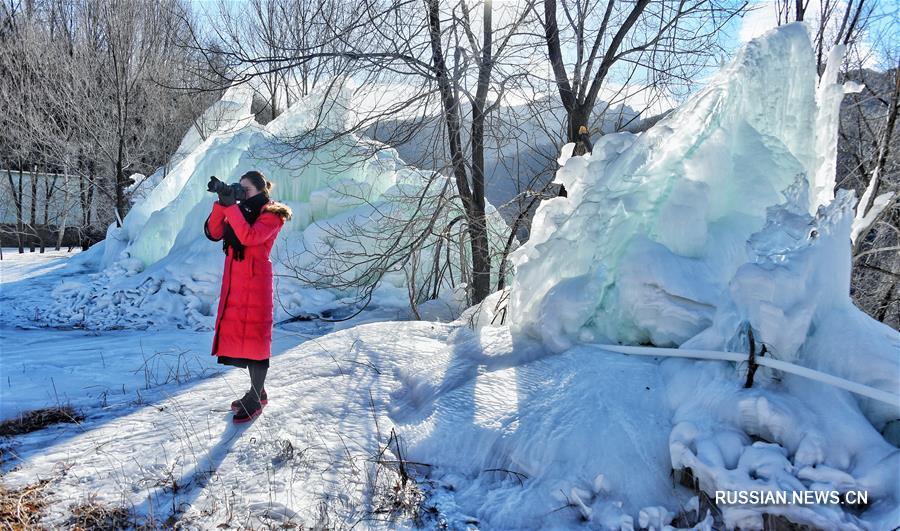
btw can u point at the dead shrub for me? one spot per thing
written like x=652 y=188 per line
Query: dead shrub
x=39 y=419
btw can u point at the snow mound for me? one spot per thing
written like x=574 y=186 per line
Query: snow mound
x=231 y=113
x=159 y=270
x=719 y=220
x=719 y=216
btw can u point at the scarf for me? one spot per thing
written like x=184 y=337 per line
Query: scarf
x=251 y=209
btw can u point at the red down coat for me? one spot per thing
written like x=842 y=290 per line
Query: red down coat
x=244 y=319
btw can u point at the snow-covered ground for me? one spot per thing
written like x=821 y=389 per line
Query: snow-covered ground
x=716 y=222
x=502 y=432
x=46 y=367
x=471 y=409
x=31 y=265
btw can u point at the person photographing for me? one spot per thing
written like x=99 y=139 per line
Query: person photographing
x=247 y=221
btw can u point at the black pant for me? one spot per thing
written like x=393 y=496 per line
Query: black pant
x=257 y=380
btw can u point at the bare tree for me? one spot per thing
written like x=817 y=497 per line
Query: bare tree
x=82 y=86
x=835 y=22
x=868 y=163
x=450 y=71
x=656 y=44
x=134 y=39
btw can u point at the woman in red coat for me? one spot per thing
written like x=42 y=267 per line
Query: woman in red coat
x=243 y=335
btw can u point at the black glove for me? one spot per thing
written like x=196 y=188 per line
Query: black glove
x=211 y=186
x=226 y=198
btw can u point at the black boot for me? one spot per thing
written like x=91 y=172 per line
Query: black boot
x=250 y=406
x=263 y=400
x=248 y=410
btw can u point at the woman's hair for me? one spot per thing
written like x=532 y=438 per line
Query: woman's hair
x=265 y=186
x=259 y=181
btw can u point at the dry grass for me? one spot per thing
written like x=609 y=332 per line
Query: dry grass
x=92 y=515
x=21 y=509
x=38 y=420
x=395 y=492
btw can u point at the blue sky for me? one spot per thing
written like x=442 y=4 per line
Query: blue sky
x=884 y=27
x=759 y=19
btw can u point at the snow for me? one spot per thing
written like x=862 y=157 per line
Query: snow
x=686 y=193
x=469 y=405
x=828 y=98
x=18 y=267
x=708 y=225
x=864 y=219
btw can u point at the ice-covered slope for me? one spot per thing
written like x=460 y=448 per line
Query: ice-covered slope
x=497 y=433
x=158 y=269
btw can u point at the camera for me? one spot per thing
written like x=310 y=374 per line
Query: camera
x=218 y=187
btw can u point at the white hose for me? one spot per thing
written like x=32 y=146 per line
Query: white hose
x=860 y=389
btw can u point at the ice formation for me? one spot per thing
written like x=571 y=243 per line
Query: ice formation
x=158 y=269
x=721 y=214
x=720 y=219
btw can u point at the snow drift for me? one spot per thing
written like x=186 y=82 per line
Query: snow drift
x=159 y=270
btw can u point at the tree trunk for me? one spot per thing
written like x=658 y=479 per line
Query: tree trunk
x=481 y=259
x=34 y=235
x=17 y=200
x=50 y=189
x=120 y=184
x=20 y=216
x=90 y=201
x=82 y=200
x=274 y=89
x=886 y=303
x=580 y=105
x=577 y=117
x=65 y=209
x=474 y=213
